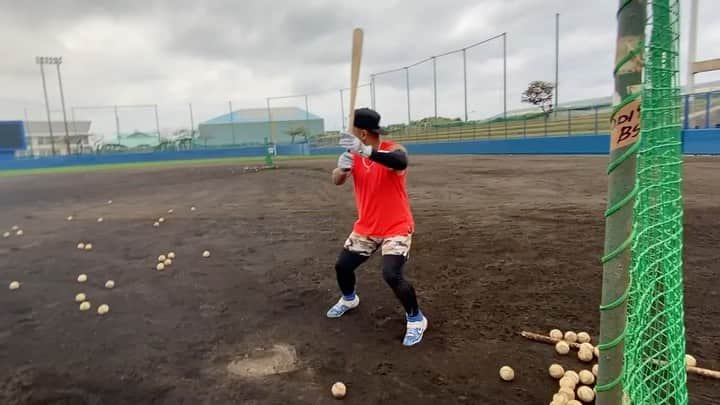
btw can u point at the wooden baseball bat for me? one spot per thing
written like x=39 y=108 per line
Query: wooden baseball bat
x=357 y=44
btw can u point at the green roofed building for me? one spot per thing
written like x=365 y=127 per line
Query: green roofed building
x=138 y=139
x=282 y=125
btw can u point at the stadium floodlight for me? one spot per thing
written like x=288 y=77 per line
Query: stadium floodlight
x=57 y=61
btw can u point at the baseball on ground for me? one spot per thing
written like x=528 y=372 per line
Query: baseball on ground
x=570 y=337
x=82 y=278
x=690 y=361
x=85 y=305
x=556 y=334
x=109 y=284
x=562 y=347
x=585 y=393
x=507 y=373
x=583 y=337
x=556 y=371
x=338 y=390
x=80 y=297
x=14 y=285
x=572 y=374
x=586 y=377
x=103 y=309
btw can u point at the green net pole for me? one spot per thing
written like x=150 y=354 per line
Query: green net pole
x=655 y=343
x=621 y=193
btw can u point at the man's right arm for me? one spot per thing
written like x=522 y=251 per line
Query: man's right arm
x=342 y=171
x=339 y=176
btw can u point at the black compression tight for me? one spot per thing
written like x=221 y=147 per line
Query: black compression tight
x=392 y=269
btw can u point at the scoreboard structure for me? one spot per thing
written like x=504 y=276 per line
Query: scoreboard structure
x=12 y=138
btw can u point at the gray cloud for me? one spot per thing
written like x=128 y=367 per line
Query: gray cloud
x=173 y=52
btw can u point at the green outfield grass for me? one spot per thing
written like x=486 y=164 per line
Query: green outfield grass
x=150 y=165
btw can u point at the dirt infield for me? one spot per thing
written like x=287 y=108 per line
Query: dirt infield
x=503 y=244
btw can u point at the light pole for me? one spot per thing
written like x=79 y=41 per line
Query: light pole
x=41 y=60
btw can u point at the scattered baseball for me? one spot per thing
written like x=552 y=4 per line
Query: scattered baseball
x=14 y=285
x=570 y=337
x=15 y=228
x=168 y=262
x=507 y=373
x=109 y=201
x=562 y=347
x=82 y=278
x=586 y=346
x=585 y=393
x=100 y=219
x=88 y=246
x=569 y=393
x=170 y=211
x=6 y=235
x=583 y=337
x=161 y=258
x=585 y=355
x=81 y=246
x=572 y=374
x=559 y=399
x=556 y=334
x=690 y=361
x=206 y=253
x=80 y=297
x=192 y=208
x=161 y=220
x=85 y=305
x=110 y=284
x=586 y=377
x=19 y=232
x=171 y=255
x=595 y=370
x=338 y=390
x=70 y=218
x=103 y=309
x=156 y=224
x=567 y=382
x=160 y=266
x=556 y=371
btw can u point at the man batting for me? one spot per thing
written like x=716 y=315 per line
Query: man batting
x=384 y=222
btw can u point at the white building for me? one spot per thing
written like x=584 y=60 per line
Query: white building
x=40 y=143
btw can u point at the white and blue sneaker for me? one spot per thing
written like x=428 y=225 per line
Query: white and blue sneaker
x=343 y=306
x=415 y=331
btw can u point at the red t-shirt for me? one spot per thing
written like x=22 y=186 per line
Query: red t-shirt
x=381 y=198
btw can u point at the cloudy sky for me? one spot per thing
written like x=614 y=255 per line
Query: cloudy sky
x=175 y=52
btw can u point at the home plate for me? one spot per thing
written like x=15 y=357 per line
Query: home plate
x=263 y=362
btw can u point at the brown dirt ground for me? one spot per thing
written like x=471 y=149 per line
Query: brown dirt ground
x=503 y=244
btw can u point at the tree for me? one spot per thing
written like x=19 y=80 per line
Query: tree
x=299 y=131
x=540 y=93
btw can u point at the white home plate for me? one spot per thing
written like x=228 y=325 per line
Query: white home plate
x=262 y=362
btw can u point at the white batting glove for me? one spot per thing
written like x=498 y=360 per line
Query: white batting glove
x=345 y=161
x=354 y=145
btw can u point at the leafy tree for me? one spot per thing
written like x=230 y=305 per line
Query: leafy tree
x=540 y=93
x=299 y=131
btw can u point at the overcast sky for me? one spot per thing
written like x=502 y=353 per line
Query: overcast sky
x=175 y=52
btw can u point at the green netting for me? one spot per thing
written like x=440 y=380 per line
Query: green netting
x=655 y=340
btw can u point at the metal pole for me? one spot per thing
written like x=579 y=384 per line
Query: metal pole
x=272 y=126
x=596 y=120
x=464 y=55
x=117 y=124
x=557 y=61
x=505 y=80
x=27 y=128
x=342 y=110
x=157 y=123
x=692 y=47
x=619 y=215
x=435 y=84
x=192 y=122
x=232 y=121
x=407 y=88
x=372 y=91
x=62 y=102
x=707 y=110
x=47 y=106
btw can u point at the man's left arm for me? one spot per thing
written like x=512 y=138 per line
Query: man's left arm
x=395 y=159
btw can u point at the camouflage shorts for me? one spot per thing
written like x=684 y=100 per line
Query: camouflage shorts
x=366 y=246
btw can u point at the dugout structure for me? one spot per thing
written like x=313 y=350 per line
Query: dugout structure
x=12 y=138
x=282 y=125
